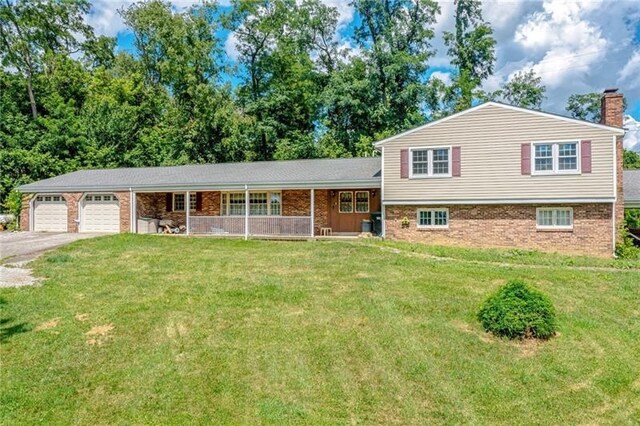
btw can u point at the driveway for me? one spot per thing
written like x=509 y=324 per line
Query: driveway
x=22 y=246
x=17 y=248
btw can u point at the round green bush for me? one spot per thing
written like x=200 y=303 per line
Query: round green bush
x=518 y=311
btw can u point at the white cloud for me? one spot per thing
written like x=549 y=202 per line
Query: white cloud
x=445 y=77
x=632 y=136
x=630 y=73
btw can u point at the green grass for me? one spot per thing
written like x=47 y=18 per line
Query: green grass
x=150 y=329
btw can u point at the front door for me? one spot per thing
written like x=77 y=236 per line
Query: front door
x=348 y=208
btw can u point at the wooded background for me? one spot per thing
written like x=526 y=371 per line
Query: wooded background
x=69 y=99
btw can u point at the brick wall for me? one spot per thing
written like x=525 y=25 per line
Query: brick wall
x=296 y=202
x=612 y=114
x=512 y=226
x=154 y=205
x=25 y=212
x=321 y=216
x=125 y=210
x=73 y=199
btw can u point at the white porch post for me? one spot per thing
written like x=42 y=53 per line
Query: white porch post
x=313 y=212
x=187 y=208
x=246 y=212
x=132 y=211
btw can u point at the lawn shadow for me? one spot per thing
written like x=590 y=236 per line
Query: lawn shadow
x=8 y=327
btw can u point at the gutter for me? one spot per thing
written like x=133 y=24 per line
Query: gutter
x=355 y=184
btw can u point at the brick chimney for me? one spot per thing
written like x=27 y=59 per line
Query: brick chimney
x=612 y=108
x=612 y=114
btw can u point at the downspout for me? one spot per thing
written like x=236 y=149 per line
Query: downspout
x=382 y=208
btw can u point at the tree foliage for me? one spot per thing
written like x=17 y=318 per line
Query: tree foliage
x=524 y=89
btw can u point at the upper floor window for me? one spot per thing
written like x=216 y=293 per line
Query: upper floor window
x=430 y=162
x=555 y=157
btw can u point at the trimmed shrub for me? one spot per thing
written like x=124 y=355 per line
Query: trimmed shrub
x=518 y=311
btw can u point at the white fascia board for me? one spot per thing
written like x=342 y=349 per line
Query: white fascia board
x=499 y=201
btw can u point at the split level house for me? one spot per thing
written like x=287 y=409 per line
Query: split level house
x=494 y=175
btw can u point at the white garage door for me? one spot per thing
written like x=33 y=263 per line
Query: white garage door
x=100 y=213
x=50 y=213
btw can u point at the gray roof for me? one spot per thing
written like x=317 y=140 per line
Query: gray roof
x=317 y=173
x=632 y=186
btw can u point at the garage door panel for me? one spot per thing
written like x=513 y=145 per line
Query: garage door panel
x=99 y=215
x=49 y=216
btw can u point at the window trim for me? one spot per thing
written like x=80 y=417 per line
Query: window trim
x=555 y=155
x=430 y=174
x=554 y=227
x=225 y=203
x=433 y=210
x=355 y=202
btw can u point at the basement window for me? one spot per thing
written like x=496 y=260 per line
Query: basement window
x=433 y=218
x=554 y=218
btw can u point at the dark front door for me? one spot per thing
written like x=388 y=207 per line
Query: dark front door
x=349 y=207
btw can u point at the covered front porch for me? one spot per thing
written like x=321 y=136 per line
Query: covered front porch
x=256 y=212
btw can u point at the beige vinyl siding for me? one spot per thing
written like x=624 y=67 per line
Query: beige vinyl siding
x=490 y=138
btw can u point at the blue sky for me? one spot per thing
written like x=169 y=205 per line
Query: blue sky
x=576 y=46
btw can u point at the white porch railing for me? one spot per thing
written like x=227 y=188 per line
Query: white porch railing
x=216 y=225
x=263 y=226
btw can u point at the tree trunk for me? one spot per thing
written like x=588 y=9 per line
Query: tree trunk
x=32 y=99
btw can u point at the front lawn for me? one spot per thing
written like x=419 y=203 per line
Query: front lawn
x=151 y=329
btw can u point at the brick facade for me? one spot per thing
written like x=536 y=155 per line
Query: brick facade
x=321 y=217
x=612 y=114
x=124 y=200
x=511 y=226
x=73 y=199
x=25 y=212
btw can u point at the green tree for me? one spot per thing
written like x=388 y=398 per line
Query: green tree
x=585 y=106
x=524 y=89
x=395 y=38
x=631 y=160
x=472 y=52
x=32 y=29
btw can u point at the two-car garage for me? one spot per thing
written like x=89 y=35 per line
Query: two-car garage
x=96 y=213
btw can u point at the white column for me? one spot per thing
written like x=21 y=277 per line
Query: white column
x=246 y=212
x=132 y=211
x=313 y=211
x=187 y=208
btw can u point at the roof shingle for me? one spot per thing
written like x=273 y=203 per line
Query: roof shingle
x=314 y=173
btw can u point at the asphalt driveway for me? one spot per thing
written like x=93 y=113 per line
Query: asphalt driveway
x=22 y=246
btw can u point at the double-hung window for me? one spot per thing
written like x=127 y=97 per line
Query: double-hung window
x=433 y=218
x=179 y=201
x=555 y=157
x=554 y=218
x=260 y=204
x=430 y=162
